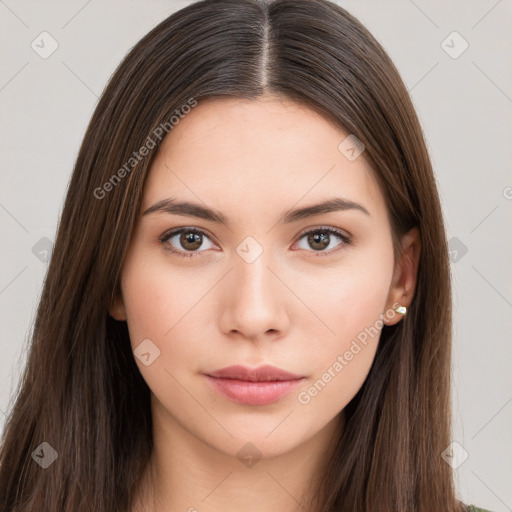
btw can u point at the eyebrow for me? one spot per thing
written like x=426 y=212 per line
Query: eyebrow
x=189 y=209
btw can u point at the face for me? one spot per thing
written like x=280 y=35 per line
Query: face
x=252 y=284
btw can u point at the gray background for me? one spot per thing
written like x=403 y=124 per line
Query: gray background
x=464 y=101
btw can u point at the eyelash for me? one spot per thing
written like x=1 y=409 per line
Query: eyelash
x=166 y=236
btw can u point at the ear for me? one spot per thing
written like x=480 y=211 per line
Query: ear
x=405 y=274
x=116 y=309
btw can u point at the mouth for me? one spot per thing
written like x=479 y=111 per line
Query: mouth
x=259 y=386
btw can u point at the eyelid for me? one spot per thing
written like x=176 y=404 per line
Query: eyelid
x=338 y=231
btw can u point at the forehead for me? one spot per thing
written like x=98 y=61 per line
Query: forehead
x=258 y=152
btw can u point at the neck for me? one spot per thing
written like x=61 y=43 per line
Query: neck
x=186 y=474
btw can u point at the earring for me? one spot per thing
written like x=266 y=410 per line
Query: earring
x=401 y=309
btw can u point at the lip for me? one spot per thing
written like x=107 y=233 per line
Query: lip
x=265 y=372
x=254 y=386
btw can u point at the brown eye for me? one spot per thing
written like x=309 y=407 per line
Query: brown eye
x=321 y=239
x=185 y=242
x=190 y=240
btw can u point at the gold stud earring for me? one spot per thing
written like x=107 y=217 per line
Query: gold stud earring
x=401 y=309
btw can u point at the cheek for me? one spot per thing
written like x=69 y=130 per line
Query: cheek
x=341 y=361
x=160 y=304
x=157 y=297
x=352 y=305
x=172 y=307
x=352 y=296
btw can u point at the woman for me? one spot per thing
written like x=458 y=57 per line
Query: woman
x=248 y=304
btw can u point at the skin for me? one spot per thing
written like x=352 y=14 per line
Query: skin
x=252 y=161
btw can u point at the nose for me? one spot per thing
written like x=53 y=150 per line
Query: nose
x=253 y=303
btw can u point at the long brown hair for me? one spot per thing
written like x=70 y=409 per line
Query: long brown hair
x=81 y=391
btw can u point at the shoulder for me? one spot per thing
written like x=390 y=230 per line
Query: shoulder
x=472 y=508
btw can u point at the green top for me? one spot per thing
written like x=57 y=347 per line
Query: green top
x=472 y=508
